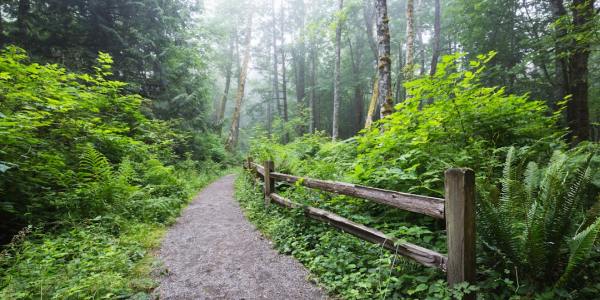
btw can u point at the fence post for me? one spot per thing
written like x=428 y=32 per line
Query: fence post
x=460 y=225
x=269 y=166
x=249 y=163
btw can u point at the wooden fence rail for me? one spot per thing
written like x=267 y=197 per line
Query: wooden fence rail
x=457 y=209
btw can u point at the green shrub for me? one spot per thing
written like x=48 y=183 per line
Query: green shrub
x=464 y=125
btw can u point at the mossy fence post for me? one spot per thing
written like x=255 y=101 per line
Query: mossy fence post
x=460 y=225
x=269 y=166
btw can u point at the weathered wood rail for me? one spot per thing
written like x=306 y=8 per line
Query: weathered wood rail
x=457 y=209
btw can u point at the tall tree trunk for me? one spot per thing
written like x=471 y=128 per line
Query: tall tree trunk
x=232 y=140
x=337 y=75
x=437 y=32
x=561 y=83
x=571 y=64
x=228 y=73
x=578 y=116
x=22 y=22
x=419 y=32
x=410 y=39
x=286 y=136
x=269 y=121
x=372 y=103
x=368 y=16
x=301 y=54
x=2 y=36
x=313 y=89
x=275 y=63
x=400 y=93
x=384 y=66
x=355 y=58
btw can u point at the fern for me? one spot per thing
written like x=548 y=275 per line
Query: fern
x=93 y=166
x=533 y=224
x=565 y=201
x=580 y=247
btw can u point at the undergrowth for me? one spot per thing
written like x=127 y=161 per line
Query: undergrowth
x=105 y=257
x=344 y=265
x=538 y=200
x=88 y=182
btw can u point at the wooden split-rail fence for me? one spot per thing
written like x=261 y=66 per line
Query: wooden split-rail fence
x=457 y=209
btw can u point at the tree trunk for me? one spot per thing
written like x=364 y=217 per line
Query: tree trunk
x=2 y=36
x=571 y=64
x=286 y=136
x=337 y=75
x=269 y=120
x=437 y=31
x=313 y=89
x=300 y=87
x=400 y=93
x=368 y=16
x=275 y=63
x=22 y=22
x=410 y=38
x=561 y=83
x=578 y=116
x=232 y=140
x=419 y=31
x=384 y=66
x=355 y=58
x=228 y=73
x=372 y=104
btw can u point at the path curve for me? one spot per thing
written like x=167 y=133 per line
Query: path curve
x=213 y=252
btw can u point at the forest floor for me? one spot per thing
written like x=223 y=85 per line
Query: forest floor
x=213 y=252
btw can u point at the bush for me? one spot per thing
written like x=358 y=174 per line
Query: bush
x=451 y=120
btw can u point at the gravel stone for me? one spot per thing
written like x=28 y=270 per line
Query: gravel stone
x=213 y=252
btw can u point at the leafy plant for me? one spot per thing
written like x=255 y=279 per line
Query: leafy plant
x=539 y=222
x=450 y=120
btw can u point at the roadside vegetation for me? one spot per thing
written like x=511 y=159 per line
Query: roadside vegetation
x=88 y=181
x=538 y=212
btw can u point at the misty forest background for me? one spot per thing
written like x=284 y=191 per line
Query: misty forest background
x=113 y=114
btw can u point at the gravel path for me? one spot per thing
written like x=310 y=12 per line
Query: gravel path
x=213 y=252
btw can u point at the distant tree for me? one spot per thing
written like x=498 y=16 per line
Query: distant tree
x=573 y=48
x=234 y=132
x=384 y=66
x=410 y=38
x=436 y=37
x=228 y=74
x=336 y=73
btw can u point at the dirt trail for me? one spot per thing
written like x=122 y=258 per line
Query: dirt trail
x=213 y=252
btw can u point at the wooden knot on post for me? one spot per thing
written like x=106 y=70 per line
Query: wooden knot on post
x=269 y=166
x=460 y=225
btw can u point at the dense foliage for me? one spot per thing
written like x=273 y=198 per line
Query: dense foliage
x=537 y=232
x=90 y=178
